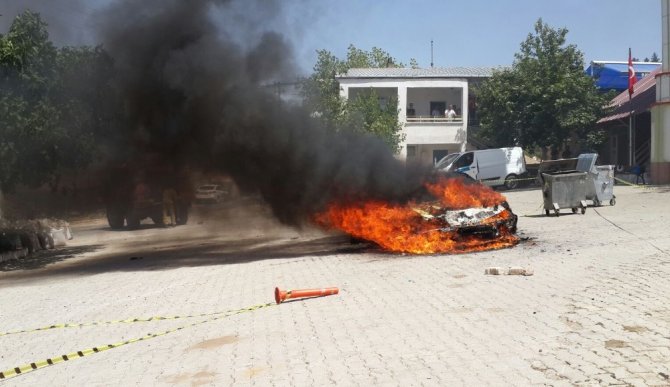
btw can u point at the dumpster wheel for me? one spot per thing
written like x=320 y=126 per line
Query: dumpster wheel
x=612 y=201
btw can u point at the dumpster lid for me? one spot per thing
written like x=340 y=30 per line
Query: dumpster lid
x=560 y=165
x=547 y=166
x=586 y=162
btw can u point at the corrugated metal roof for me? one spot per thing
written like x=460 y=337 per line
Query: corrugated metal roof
x=644 y=96
x=436 y=72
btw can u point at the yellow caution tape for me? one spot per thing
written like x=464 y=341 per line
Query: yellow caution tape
x=632 y=184
x=100 y=323
x=29 y=367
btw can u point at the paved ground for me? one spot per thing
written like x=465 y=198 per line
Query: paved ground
x=596 y=312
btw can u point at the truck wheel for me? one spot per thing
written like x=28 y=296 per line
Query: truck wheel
x=115 y=218
x=46 y=240
x=27 y=242
x=158 y=219
x=182 y=214
x=511 y=181
x=133 y=222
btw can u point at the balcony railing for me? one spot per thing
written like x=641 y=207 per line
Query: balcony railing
x=431 y=119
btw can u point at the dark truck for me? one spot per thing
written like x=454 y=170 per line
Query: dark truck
x=133 y=193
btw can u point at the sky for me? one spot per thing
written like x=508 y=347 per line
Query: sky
x=465 y=33
x=484 y=32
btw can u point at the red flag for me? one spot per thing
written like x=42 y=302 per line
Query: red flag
x=631 y=75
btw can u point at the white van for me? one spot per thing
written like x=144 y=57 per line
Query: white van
x=493 y=167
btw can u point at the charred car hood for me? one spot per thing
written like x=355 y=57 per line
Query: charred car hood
x=486 y=221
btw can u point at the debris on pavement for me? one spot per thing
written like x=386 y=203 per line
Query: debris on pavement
x=283 y=295
x=525 y=271
x=21 y=238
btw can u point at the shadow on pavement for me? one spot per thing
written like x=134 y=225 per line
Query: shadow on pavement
x=552 y=215
x=43 y=258
x=655 y=189
x=176 y=256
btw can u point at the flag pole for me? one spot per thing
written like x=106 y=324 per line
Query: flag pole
x=631 y=82
x=631 y=157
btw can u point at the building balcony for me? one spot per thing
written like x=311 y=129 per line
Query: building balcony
x=433 y=120
x=434 y=130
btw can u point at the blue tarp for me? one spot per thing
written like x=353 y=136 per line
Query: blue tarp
x=614 y=76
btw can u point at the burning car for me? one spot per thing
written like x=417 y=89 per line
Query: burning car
x=461 y=217
x=485 y=221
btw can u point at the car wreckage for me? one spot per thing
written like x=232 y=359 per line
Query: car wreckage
x=487 y=222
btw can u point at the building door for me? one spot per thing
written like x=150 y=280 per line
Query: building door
x=437 y=108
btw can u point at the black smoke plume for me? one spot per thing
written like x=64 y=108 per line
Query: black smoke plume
x=190 y=90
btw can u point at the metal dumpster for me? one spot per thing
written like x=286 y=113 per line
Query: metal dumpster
x=564 y=189
x=604 y=185
x=600 y=187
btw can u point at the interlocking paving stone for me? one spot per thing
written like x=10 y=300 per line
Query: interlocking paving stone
x=595 y=311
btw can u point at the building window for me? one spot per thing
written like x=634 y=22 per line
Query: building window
x=411 y=150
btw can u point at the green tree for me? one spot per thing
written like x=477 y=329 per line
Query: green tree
x=544 y=98
x=51 y=104
x=655 y=58
x=321 y=92
x=27 y=124
x=83 y=96
x=366 y=115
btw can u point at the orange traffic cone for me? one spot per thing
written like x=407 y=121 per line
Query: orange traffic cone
x=283 y=295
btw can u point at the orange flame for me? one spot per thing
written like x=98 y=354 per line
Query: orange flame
x=400 y=228
x=455 y=194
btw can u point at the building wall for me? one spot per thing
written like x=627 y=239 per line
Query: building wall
x=425 y=154
x=660 y=126
x=438 y=133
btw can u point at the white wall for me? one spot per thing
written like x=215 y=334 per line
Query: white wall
x=660 y=123
x=424 y=153
x=437 y=133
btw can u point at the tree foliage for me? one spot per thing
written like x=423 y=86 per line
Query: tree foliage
x=321 y=92
x=544 y=98
x=365 y=114
x=48 y=101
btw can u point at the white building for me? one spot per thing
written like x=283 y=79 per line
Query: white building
x=660 y=112
x=429 y=135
